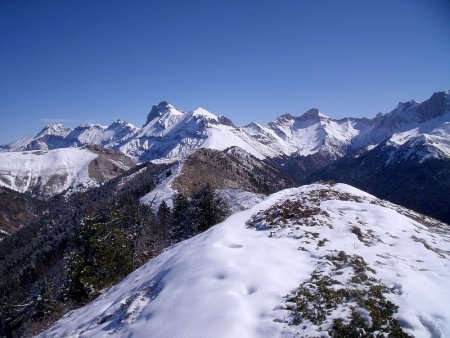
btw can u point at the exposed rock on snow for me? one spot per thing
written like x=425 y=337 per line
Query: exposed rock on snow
x=170 y=133
x=232 y=169
x=247 y=276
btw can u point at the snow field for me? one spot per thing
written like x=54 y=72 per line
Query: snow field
x=20 y=171
x=231 y=280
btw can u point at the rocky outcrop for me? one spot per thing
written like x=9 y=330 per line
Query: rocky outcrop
x=108 y=164
x=230 y=169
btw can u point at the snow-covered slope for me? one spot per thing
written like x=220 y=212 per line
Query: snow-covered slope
x=428 y=121
x=172 y=134
x=313 y=132
x=51 y=172
x=304 y=261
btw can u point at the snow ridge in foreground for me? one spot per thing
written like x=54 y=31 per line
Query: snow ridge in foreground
x=233 y=280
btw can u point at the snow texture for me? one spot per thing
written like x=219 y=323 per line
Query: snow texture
x=163 y=190
x=172 y=134
x=56 y=170
x=239 y=199
x=232 y=280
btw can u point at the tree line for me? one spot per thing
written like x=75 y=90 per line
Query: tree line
x=80 y=245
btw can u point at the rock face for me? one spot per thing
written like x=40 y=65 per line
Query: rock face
x=232 y=168
x=300 y=167
x=108 y=164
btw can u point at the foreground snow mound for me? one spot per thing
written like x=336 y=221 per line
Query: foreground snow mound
x=311 y=261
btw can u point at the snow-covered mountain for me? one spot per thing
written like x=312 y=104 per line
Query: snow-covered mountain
x=172 y=134
x=428 y=121
x=320 y=260
x=410 y=136
x=415 y=174
x=49 y=172
x=409 y=160
x=56 y=136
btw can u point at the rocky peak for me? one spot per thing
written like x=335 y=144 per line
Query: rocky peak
x=90 y=126
x=159 y=110
x=407 y=104
x=53 y=129
x=311 y=114
x=226 y=121
x=120 y=125
x=285 y=117
x=119 y=122
x=201 y=113
x=412 y=111
x=438 y=104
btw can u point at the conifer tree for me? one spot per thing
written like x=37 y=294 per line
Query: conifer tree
x=207 y=209
x=178 y=224
x=164 y=218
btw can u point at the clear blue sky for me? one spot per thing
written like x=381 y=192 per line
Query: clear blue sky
x=99 y=60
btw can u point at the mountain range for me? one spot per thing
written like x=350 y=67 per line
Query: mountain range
x=230 y=231
x=367 y=153
x=170 y=133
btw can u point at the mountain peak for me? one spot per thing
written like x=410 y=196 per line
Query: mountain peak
x=53 y=129
x=413 y=111
x=285 y=117
x=407 y=104
x=203 y=113
x=158 y=110
x=164 y=104
x=120 y=124
x=312 y=114
x=91 y=126
x=437 y=105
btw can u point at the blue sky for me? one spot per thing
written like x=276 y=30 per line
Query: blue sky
x=99 y=60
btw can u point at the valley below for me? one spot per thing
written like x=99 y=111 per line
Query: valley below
x=191 y=226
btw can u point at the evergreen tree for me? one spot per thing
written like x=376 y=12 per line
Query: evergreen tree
x=207 y=209
x=179 y=222
x=164 y=214
x=103 y=255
